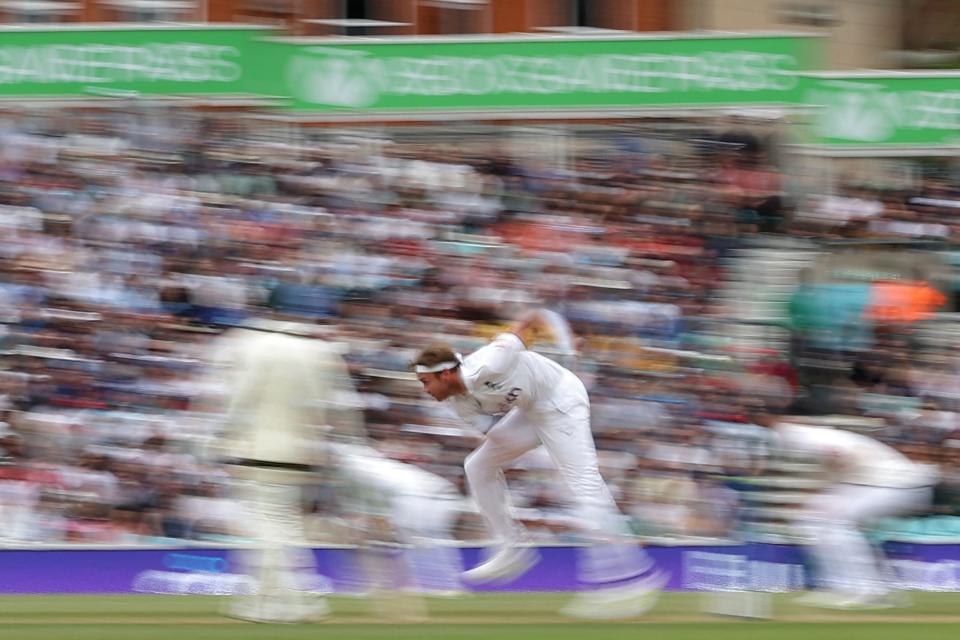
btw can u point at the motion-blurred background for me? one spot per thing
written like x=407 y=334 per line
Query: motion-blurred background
x=717 y=214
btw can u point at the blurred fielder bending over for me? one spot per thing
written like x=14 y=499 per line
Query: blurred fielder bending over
x=868 y=481
x=419 y=509
x=538 y=403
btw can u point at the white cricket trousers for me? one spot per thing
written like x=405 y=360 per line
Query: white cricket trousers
x=846 y=561
x=279 y=560
x=564 y=430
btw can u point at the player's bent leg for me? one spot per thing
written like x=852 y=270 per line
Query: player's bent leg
x=870 y=586
x=622 y=579
x=424 y=523
x=617 y=602
x=282 y=568
x=507 y=440
x=488 y=488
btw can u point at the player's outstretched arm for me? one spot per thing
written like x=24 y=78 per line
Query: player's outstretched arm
x=528 y=326
x=537 y=324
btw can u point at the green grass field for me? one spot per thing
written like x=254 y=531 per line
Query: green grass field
x=486 y=617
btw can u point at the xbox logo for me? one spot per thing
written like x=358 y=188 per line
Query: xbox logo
x=856 y=112
x=334 y=78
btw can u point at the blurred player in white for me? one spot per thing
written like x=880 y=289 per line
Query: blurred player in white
x=868 y=481
x=279 y=385
x=420 y=509
x=539 y=402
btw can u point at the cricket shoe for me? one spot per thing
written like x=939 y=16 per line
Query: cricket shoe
x=508 y=563
x=616 y=603
x=873 y=601
x=819 y=599
x=317 y=612
x=847 y=602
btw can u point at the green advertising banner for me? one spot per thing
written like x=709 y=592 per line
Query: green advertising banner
x=91 y=61
x=536 y=74
x=884 y=109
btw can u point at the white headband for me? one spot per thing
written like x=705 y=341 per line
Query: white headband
x=443 y=366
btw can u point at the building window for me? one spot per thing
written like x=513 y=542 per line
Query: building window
x=275 y=13
x=452 y=17
x=265 y=6
x=151 y=10
x=929 y=34
x=600 y=14
x=37 y=11
x=356 y=10
x=580 y=14
x=808 y=14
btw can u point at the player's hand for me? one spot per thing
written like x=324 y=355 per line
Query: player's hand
x=529 y=327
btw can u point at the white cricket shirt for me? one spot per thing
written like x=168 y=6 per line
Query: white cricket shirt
x=503 y=375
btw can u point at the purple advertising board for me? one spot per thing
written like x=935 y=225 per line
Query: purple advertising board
x=929 y=567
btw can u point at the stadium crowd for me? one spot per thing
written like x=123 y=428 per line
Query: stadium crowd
x=124 y=250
